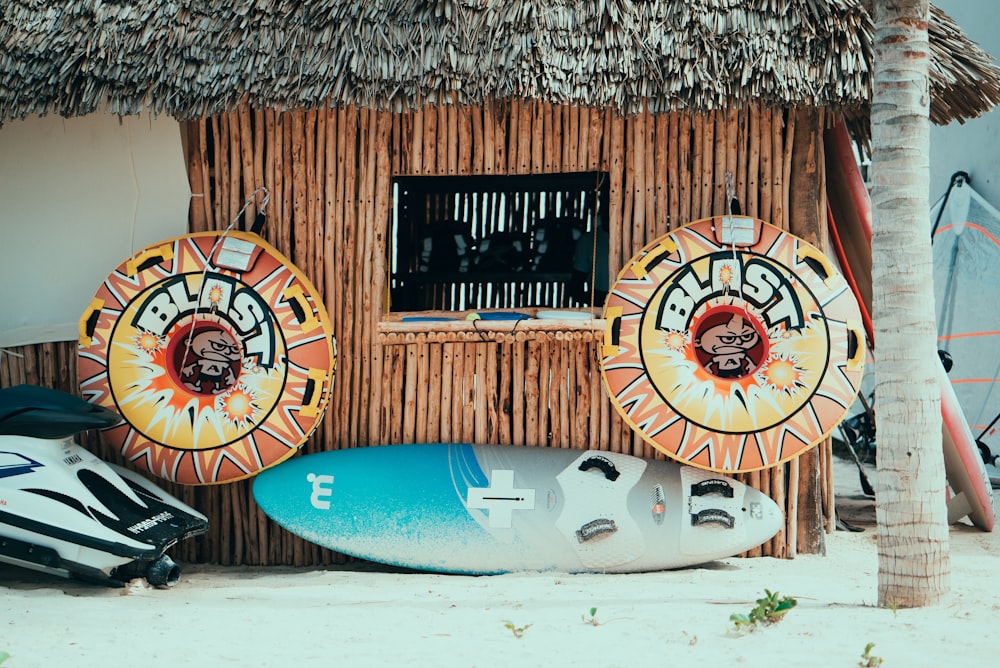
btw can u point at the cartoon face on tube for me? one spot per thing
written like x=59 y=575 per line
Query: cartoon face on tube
x=726 y=347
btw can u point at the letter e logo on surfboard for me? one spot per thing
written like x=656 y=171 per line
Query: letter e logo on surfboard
x=322 y=490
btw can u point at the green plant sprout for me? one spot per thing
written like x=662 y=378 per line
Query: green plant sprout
x=769 y=610
x=518 y=631
x=869 y=660
x=4 y=656
x=591 y=618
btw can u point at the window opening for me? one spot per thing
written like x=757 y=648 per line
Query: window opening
x=515 y=241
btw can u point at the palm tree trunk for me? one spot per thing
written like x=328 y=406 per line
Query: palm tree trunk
x=912 y=516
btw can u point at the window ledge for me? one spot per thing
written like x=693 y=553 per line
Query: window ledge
x=444 y=326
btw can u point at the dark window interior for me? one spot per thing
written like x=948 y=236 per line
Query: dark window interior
x=476 y=242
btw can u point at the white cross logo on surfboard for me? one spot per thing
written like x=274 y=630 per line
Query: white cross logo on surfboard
x=501 y=499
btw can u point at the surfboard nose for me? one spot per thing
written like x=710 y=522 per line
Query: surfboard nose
x=763 y=516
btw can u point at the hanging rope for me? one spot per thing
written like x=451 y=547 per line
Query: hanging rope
x=732 y=209
x=258 y=224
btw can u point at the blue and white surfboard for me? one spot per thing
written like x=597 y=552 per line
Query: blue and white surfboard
x=481 y=509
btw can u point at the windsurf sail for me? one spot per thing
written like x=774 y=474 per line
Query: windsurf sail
x=966 y=244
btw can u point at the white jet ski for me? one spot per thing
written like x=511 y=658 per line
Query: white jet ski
x=66 y=512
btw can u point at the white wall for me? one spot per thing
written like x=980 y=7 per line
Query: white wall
x=974 y=146
x=77 y=197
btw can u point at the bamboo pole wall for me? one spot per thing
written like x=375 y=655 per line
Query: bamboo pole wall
x=329 y=176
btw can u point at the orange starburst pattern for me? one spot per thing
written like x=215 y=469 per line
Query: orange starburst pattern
x=675 y=340
x=726 y=274
x=782 y=374
x=215 y=295
x=148 y=342
x=238 y=405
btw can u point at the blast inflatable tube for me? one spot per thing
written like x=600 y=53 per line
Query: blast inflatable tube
x=216 y=351
x=732 y=345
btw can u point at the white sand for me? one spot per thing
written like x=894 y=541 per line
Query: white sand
x=373 y=616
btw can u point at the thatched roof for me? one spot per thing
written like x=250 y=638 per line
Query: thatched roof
x=965 y=81
x=187 y=58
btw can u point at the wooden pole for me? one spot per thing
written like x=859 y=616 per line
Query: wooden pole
x=808 y=222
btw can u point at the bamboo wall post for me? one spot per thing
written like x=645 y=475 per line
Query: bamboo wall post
x=195 y=150
x=685 y=160
x=778 y=545
x=300 y=177
x=505 y=393
x=620 y=245
x=792 y=508
x=221 y=162
x=783 y=170
x=630 y=231
x=595 y=157
x=247 y=145
x=656 y=171
x=352 y=376
x=766 y=140
x=285 y=196
x=272 y=169
x=582 y=411
x=752 y=186
x=635 y=177
x=538 y=142
x=491 y=150
x=723 y=165
x=469 y=424
x=229 y=182
x=574 y=129
x=739 y=148
x=827 y=504
x=736 y=164
x=411 y=404
x=257 y=157
x=317 y=213
x=713 y=156
x=480 y=394
x=429 y=139
x=697 y=159
x=544 y=403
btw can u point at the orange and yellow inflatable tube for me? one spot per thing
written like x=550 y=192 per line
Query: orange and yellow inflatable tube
x=732 y=345
x=216 y=351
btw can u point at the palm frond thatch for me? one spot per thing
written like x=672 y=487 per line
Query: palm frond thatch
x=189 y=58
